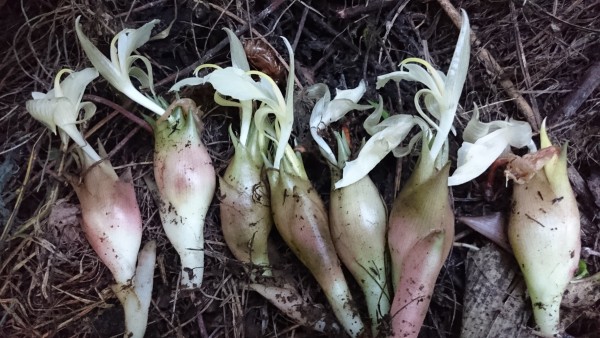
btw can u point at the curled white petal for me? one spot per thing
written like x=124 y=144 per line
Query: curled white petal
x=354 y=94
x=62 y=111
x=454 y=82
x=128 y=40
x=239 y=85
x=371 y=123
x=116 y=70
x=376 y=148
x=238 y=55
x=442 y=92
x=475 y=157
x=317 y=125
x=190 y=81
x=327 y=111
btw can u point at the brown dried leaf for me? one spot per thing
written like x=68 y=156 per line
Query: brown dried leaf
x=494 y=304
x=582 y=293
x=522 y=169
x=63 y=223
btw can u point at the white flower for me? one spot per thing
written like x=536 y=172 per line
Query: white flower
x=327 y=111
x=60 y=107
x=387 y=136
x=443 y=91
x=237 y=83
x=485 y=142
x=118 y=70
x=441 y=97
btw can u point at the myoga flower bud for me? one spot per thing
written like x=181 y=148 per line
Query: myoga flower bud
x=357 y=211
x=244 y=199
x=358 y=228
x=544 y=232
x=186 y=182
x=112 y=224
x=301 y=219
x=111 y=218
x=245 y=210
x=420 y=236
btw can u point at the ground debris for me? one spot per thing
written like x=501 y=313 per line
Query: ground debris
x=53 y=285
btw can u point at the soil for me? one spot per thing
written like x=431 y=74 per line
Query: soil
x=53 y=285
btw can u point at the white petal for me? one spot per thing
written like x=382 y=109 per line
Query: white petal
x=43 y=110
x=190 y=81
x=457 y=72
x=132 y=39
x=317 y=124
x=146 y=76
x=38 y=95
x=238 y=55
x=420 y=74
x=272 y=91
x=74 y=85
x=89 y=110
x=338 y=108
x=316 y=116
x=326 y=151
x=104 y=66
x=454 y=82
x=236 y=83
x=327 y=111
x=475 y=158
x=432 y=105
x=353 y=95
x=410 y=72
x=286 y=118
x=376 y=148
x=140 y=75
x=405 y=151
x=372 y=121
x=475 y=129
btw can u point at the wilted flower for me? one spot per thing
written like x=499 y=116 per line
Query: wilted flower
x=119 y=69
x=483 y=143
x=60 y=107
x=421 y=225
x=356 y=212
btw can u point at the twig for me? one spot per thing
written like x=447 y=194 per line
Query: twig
x=216 y=49
x=332 y=31
x=324 y=59
x=494 y=67
x=202 y=326
x=120 y=109
x=123 y=141
x=522 y=59
x=587 y=84
x=22 y=190
x=554 y=17
x=372 y=6
x=139 y=9
x=300 y=28
x=388 y=27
